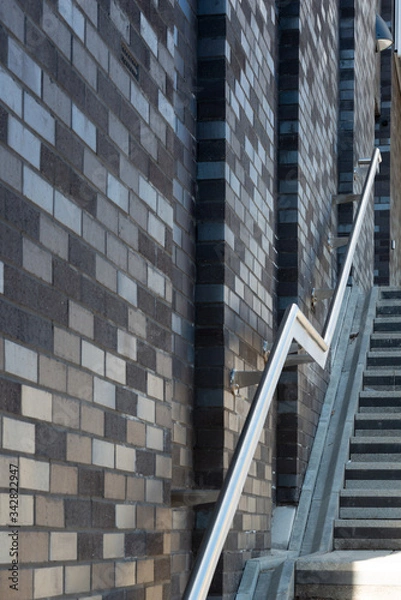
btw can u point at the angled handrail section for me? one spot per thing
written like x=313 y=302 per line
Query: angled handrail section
x=294 y=326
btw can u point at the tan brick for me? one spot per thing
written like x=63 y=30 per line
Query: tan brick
x=79 y=384
x=33 y=546
x=103 y=575
x=48 y=582
x=164 y=466
x=92 y=420
x=125 y=574
x=66 y=345
x=25 y=585
x=145 y=571
x=34 y=475
x=63 y=546
x=136 y=433
x=52 y=374
x=63 y=480
x=79 y=448
x=113 y=545
x=155 y=386
x=66 y=412
x=81 y=319
x=163 y=518
x=154 y=593
x=154 y=491
x=114 y=486
x=49 y=512
x=145 y=516
x=36 y=403
x=77 y=579
x=135 y=489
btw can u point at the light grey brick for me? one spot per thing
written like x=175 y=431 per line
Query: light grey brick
x=165 y=211
x=20 y=361
x=11 y=93
x=137 y=267
x=103 y=453
x=18 y=436
x=138 y=211
x=107 y=213
x=80 y=319
x=137 y=322
x=37 y=261
x=83 y=127
x=117 y=251
x=23 y=142
x=90 y=9
x=120 y=20
x=115 y=368
x=97 y=47
x=67 y=345
x=106 y=273
x=39 y=119
x=73 y=17
x=79 y=384
x=92 y=358
x=129 y=174
x=126 y=344
x=10 y=169
x=36 y=403
x=148 y=140
x=52 y=374
x=67 y=212
x=13 y=18
x=94 y=170
x=148 y=34
x=119 y=76
x=165 y=108
x=56 y=100
x=38 y=190
x=156 y=282
x=147 y=193
x=83 y=62
x=56 y=30
x=127 y=288
x=128 y=231
x=53 y=237
x=140 y=102
x=104 y=392
x=117 y=192
x=118 y=133
x=156 y=229
x=93 y=233
x=66 y=411
x=158 y=125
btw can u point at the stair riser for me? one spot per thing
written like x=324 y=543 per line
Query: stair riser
x=370 y=513
x=346 y=592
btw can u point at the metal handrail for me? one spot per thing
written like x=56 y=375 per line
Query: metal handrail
x=294 y=326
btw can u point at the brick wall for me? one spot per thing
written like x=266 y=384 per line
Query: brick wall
x=96 y=217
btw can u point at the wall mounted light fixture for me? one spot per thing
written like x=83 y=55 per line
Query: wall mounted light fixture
x=384 y=37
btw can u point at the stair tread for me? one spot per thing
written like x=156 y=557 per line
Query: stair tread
x=371 y=523
x=368 y=493
x=373 y=465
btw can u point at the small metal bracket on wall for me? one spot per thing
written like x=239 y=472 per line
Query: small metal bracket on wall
x=319 y=294
x=345 y=198
x=337 y=242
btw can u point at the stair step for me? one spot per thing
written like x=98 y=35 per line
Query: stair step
x=385 y=359
x=379 y=401
x=390 y=293
x=370 y=504
x=385 y=341
x=387 y=324
x=382 y=379
x=367 y=534
x=378 y=421
x=372 y=471
x=388 y=307
x=375 y=445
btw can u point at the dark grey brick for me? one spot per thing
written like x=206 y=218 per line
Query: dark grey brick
x=77 y=513
x=108 y=152
x=70 y=146
x=25 y=327
x=135 y=544
x=50 y=442
x=115 y=427
x=90 y=482
x=103 y=515
x=10 y=396
x=90 y=546
x=19 y=212
x=126 y=401
x=145 y=462
x=82 y=256
x=136 y=377
x=105 y=333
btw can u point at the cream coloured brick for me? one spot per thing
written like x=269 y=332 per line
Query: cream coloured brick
x=77 y=579
x=48 y=582
x=104 y=392
x=52 y=374
x=113 y=545
x=79 y=448
x=125 y=574
x=164 y=466
x=164 y=365
x=92 y=420
x=126 y=344
x=154 y=438
x=79 y=384
x=37 y=261
x=63 y=546
x=33 y=546
x=125 y=516
x=49 y=512
x=155 y=386
x=125 y=458
x=63 y=479
x=146 y=409
x=36 y=403
x=21 y=361
x=18 y=435
x=145 y=571
x=81 y=319
x=66 y=411
x=34 y=475
x=114 y=486
x=66 y=345
x=115 y=368
x=136 y=433
x=92 y=358
x=25 y=509
x=102 y=453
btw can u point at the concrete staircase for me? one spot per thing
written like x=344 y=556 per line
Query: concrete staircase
x=365 y=564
